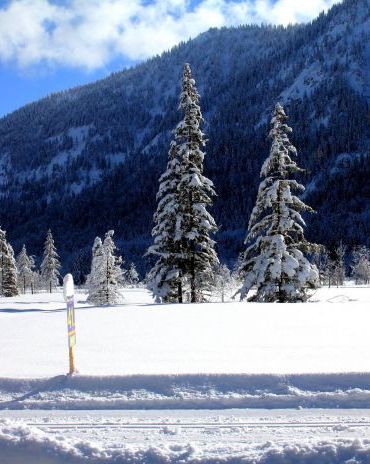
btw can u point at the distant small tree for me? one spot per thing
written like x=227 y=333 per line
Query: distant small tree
x=321 y=259
x=105 y=274
x=339 y=269
x=25 y=270
x=80 y=266
x=132 y=276
x=35 y=275
x=8 y=268
x=361 y=265
x=223 y=283
x=50 y=264
x=96 y=263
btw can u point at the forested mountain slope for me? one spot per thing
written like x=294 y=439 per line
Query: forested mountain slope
x=88 y=159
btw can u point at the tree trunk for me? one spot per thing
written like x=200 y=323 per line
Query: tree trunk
x=193 y=293
x=2 y=275
x=179 y=289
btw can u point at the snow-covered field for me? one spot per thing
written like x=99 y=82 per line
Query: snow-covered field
x=143 y=355
x=196 y=360
x=330 y=334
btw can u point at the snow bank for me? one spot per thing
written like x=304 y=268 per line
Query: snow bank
x=20 y=444
x=188 y=392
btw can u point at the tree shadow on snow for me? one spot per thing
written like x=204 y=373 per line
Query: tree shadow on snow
x=31 y=310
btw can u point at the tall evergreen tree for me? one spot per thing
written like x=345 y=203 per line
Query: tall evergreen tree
x=275 y=258
x=164 y=279
x=8 y=270
x=194 y=224
x=105 y=273
x=25 y=265
x=50 y=264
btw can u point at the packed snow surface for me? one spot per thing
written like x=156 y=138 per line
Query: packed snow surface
x=201 y=437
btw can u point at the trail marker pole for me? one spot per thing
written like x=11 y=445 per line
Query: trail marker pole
x=69 y=298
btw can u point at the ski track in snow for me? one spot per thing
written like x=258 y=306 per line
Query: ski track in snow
x=234 y=436
x=320 y=436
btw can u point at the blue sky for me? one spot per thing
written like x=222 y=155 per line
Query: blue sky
x=51 y=45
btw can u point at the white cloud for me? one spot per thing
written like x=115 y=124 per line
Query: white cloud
x=90 y=33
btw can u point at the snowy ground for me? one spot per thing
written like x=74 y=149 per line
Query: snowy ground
x=232 y=436
x=139 y=337
x=187 y=364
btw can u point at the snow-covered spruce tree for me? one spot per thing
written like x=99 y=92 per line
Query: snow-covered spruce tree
x=50 y=264
x=132 y=276
x=194 y=224
x=339 y=264
x=224 y=283
x=25 y=265
x=3 y=251
x=96 y=263
x=275 y=259
x=8 y=268
x=361 y=265
x=322 y=261
x=105 y=273
x=164 y=279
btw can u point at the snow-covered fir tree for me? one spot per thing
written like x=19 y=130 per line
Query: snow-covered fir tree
x=183 y=225
x=105 y=274
x=164 y=279
x=50 y=264
x=339 y=264
x=3 y=251
x=275 y=260
x=8 y=270
x=361 y=265
x=321 y=259
x=96 y=263
x=194 y=224
x=223 y=284
x=132 y=276
x=25 y=270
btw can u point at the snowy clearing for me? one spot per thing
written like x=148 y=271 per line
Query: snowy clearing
x=139 y=337
x=143 y=355
x=157 y=382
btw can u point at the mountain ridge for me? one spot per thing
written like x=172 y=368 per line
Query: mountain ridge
x=100 y=148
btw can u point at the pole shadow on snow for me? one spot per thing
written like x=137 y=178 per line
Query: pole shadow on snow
x=49 y=384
